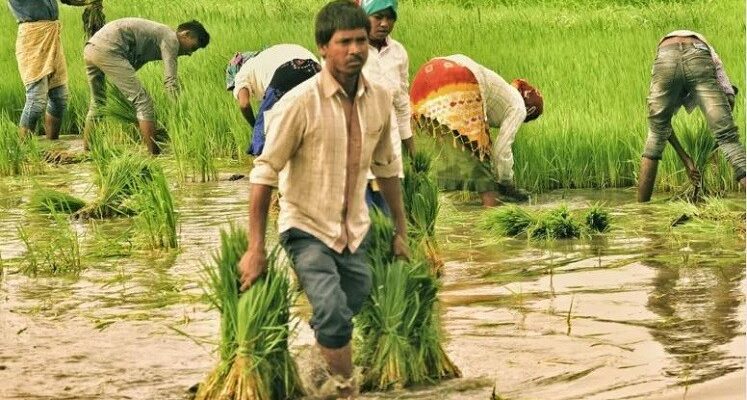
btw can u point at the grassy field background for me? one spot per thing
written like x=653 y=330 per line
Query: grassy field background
x=591 y=59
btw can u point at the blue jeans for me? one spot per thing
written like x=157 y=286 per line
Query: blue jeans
x=37 y=94
x=336 y=284
x=688 y=68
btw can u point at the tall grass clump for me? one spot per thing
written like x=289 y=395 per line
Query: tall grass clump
x=398 y=330
x=53 y=201
x=51 y=251
x=255 y=326
x=194 y=148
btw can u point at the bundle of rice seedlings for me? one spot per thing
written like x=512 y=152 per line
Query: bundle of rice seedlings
x=52 y=251
x=556 y=224
x=255 y=326
x=510 y=220
x=53 y=201
x=597 y=219
x=400 y=337
x=156 y=219
x=398 y=330
x=420 y=196
x=123 y=177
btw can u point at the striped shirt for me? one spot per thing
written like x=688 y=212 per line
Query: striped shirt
x=320 y=144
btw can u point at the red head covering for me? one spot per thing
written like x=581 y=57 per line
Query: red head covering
x=532 y=99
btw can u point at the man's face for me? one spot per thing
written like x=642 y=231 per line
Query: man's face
x=382 y=24
x=346 y=51
x=188 y=43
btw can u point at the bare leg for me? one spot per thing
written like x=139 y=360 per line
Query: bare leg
x=52 y=126
x=148 y=131
x=646 y=179
x=489 y=199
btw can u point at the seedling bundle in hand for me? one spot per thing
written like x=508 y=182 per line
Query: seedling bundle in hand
x=255 y=362
x=398 y=330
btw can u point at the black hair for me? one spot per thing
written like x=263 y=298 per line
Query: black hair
x=339 y=15
x=195 y=28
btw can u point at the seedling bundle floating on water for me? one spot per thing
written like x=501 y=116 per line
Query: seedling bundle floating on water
x=53 y=201
x=255 y=326
x=557 y=223
x=398 y=329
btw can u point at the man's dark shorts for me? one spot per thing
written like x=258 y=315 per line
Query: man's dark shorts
x=336 y=284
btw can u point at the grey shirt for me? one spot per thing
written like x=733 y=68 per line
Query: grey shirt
x=34 y=10
x=140 y=41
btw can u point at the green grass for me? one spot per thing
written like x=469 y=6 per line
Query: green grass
x=156 y=220
x=17 y=156
x=591 y=60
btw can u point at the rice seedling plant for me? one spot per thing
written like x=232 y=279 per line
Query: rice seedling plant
x=156 y=219
x=557 y=223
x=52 y=251
x=54 y=201
x=398 y=330
x=124 y=176
x=255 y=326
x=193 y=147
x=510 y=220
x=17 y=156
x=420 y=196
x=597 y=219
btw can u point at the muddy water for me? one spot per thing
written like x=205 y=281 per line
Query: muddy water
x=647 y=312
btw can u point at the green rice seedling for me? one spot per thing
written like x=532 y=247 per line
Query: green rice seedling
x=597 y=219
x=17 y=156
x=156 y=220
x=123 y=177
x=556 y=224
x=510 y=220
x=420 y=196
x=255 y=362
x=381 y=236
x=52 y=251
x=53 y=201
x=398 y=329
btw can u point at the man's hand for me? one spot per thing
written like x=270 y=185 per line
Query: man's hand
x=692 y=172
x=400 y=249
x=252 y=265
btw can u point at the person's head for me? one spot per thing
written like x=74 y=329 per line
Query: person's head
x=532 y=98
x=382 y=15
x=192 y=36
x=342 y=36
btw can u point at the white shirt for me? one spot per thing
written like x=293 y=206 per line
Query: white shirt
x=390 y=68
x=256 y=73
x=504 y=109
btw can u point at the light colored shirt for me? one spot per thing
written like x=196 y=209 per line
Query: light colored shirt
x=723 y=79
x=390 y=68
x=140 y=41
x=308 y=156
x=504 y=109
x=256 y=73
x=34 y=10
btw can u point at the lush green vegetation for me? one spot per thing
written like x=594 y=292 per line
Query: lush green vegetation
x=591 y=59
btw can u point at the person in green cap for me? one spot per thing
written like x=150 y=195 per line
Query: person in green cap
x=388 y=65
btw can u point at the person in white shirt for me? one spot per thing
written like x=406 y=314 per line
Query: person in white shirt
x=255 y=74
x=388 y=65
x=457 y=98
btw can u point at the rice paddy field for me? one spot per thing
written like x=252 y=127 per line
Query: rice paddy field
x=102 y=254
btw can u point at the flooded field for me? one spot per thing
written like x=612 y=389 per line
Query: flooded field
x=646 y=311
